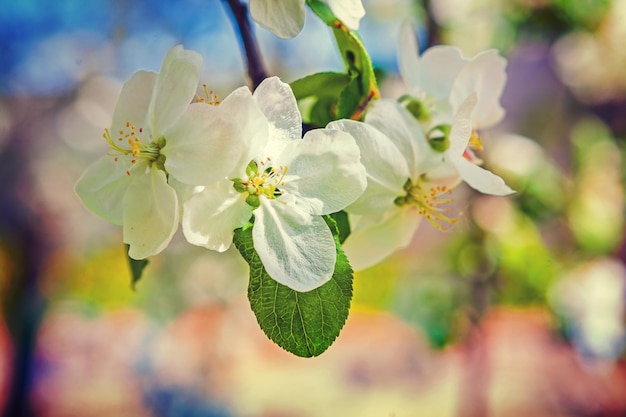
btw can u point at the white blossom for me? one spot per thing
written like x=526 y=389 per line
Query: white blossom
x=286 y=183
x=156 y=139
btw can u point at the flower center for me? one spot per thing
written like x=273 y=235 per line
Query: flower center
x=129 y=142
x=209 y=97
x=431 y=203
x=475 y=144
x=263 y=179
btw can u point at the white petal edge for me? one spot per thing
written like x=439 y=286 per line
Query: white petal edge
x=296 y=249
x=285 y=17
x=395 y=122
x=133 y=103
x=408 y=59
x=203 y=145
x=101 y=188
x=486 y=75
x=325 y=173
x=461 y=129
x=253 y=127
x=434 y=71
x=211 y=216
x=373 y=239
x=174 y=89
x=349 y=12
x=481 y=179
x=151 y=214
x=277 y=102
x=386 y=167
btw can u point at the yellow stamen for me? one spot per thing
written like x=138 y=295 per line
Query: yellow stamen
x=266 y=181
x=475 y=142
x=136 y=148
x=209 y=97
x=431 y=204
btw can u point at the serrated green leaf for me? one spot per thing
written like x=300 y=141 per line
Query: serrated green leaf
x=303 y=323
x=136 y=267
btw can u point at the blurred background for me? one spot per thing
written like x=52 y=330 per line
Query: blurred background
x=517 y=310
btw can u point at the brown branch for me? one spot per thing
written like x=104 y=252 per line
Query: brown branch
x=254 y=63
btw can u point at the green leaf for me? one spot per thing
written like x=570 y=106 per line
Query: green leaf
x=359 y=65
x=136 y=268
x=325 y=88
x=343 y=225
x=349 y=99
x=320 y=84
x=303 y=323
x=323 y=111
x=362 y=88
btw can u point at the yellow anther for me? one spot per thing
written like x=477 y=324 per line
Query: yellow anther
x=475 y=142
x=209 y=97
x=429 y=203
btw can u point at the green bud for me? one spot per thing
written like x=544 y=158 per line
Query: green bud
x=160 y=163
x=160 y=142
x=399 y=201
x=439 y=138
x=238 y=185
x=253 y=201
x=415 y=107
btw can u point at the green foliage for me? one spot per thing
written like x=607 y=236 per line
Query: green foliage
x=324 y=88
x=303 y=323
x=596 y=211
x=431 y=303
x=343 y=225
x=136 y=268
x=338 y=95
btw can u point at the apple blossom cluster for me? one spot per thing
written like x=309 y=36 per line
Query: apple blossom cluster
x=215 y=166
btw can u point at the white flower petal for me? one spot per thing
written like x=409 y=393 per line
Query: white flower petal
x=386 y=168
x=150 y=214
x=296 y=249
x=402 y=129
x=482 y=180
x=408 y=59
x=277 y=102
x=174 y=89
x=486 y=75
x=374 y=239
x=102 y=186
x=253 y=127
x=325 y=171
x=203 y=145
x=461 y=129
x=133 y=102
x=283 y=17
x=211 y=216
x=439 y=67
x=349 y=12
x=434 y=71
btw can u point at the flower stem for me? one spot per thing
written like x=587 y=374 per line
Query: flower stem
x=254 y=63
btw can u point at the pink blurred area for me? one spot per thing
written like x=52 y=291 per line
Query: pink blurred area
x=513 y=365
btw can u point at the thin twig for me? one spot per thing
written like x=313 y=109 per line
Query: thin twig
x=254 y=63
